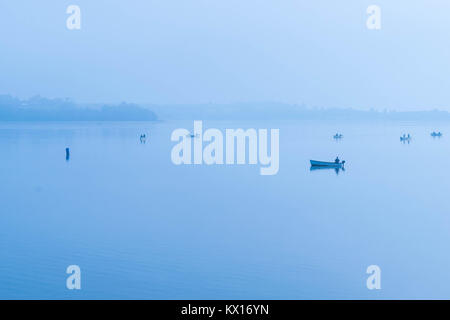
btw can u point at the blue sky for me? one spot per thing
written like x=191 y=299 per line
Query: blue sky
x=198 y=51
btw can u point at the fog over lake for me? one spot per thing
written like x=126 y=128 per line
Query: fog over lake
x=141 y=227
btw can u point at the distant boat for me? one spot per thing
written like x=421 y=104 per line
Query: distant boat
x=338 y=136
x=405 y=137
x=436 y=134
x=316 y=163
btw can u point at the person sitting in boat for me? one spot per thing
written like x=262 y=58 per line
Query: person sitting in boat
x=337 y=160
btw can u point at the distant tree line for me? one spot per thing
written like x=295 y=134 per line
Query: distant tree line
x=283 y=111
x=43 y=109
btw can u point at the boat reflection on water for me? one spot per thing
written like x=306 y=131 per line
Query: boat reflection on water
x=336 y=169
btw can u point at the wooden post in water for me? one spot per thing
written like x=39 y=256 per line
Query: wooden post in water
x=67 y=154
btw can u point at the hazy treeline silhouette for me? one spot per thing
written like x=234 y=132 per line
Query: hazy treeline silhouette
x=43 y=109
x=283 y=111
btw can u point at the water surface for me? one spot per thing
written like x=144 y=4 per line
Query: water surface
x=140 y=227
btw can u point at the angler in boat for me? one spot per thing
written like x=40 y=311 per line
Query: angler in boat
x=434 y=134
x=336 y=164
x=405 y=137
x=191 y=135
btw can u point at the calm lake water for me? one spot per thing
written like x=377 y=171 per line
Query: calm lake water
x=140 y=227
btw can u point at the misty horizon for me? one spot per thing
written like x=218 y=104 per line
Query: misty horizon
x=198 y=52
x=39 y=108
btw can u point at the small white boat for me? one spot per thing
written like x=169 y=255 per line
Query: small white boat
x=315 y=163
